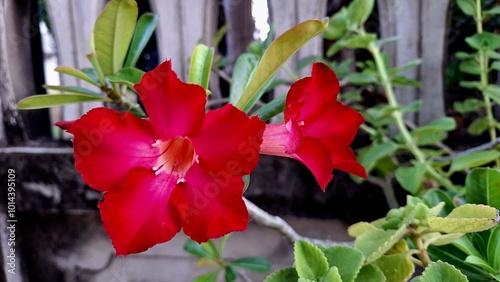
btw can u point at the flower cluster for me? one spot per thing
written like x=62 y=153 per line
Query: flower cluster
x=182 y=167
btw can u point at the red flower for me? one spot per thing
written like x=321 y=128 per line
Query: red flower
x=318 y=129
x=181 y=168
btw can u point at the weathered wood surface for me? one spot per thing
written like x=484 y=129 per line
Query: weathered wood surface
x=72 y=24
x=285 y=14
x=420 y=27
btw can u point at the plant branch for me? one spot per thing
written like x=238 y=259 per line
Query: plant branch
x=275 y=222
x=486 y=146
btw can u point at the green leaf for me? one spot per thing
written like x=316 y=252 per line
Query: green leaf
x=493 y=249
x=410 y=178
x=207 y=277
x=408 y=65
x=467 y=6
x=433 y=132
x=72 y=89
x=196 y=249
x=231 y=274
x=470 y=67
x=332 y=275
x=493 y=11
x=360 y=10
x=52 y=100
x=113 y=32
x=493 y=91
x=482 y=186
x=335 y=47
x=360 y=227
x=473 y=160
x=253 y=263
x=478 y=261
x=463 y=55
x=347 y=260
x=279 y=51
x=376 y=152
x=471 y=84
x=466 y=219
x=283 y=275
x=272 y=108
x=359 y=41
x=396 y=267
x=201 y=65
x=434 y=196
x=309 y=260
x=246 y=180
x=76 y=73
x=244 y=68
x=127 y=76
x=337 y=27
x=484 y=41
x=443 y=239
x=374 y=244
x=145 y=27
x=370 y=273
x=495 y=66
x=442 y=271
x=468 y=105
x=361 y=78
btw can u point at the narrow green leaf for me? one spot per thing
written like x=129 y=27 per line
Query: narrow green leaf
x=76 y=73
x=482 y=186
x=493 y=249
x=408 y=65
x=411 y=177
x=278 y=52
x=479 y=261
x=211 y=248
x=272 y=108
x=231 y=274
x=243 y=70
x=53 y=100
x=360 y=10
x=201 y=65
x=309 y=260
x=97 y=68
x=359 y=41
x=470 y=66
x=347 y=260
x=253 y=263
x=127 y=76
x=473 y=160
x=337 y=27
x=361 y=78
x=207 y=277
x=442 y=271
x=396 y=267
x=332 y=275
x=376 y=152
x=467 y=6
x=370 y=273
x=113 y=32
x=196 y=249
x=145 y=27
x=443 y=239
x=72 y=89
x=283 y=275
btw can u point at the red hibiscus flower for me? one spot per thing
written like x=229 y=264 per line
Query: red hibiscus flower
x=318 y=129
x=181 y=168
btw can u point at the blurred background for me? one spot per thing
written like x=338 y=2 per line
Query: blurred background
x=59 y=235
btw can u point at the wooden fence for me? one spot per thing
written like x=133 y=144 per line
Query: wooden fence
x=420 y=26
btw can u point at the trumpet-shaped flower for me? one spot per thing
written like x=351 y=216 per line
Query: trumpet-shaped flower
x=318 y=129
x=180 y=169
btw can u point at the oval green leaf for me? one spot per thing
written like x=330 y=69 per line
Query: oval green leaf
x=253 y=263
x=113 y=32
x=283 y=275
x=145 y=27
x=310 y=262
x=482 y=186
x=473 y=160
x=201 y=65
x=278 y=52
x=493 y=249
x=52 y=100
x=348 y=261
x=442 y=271
x=76 y=73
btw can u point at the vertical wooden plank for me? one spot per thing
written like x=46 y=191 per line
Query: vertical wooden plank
x=433 y=38
x=182 y=24
x=72 y=25
x=286 y=14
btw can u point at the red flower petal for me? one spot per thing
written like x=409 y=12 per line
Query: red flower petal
x=108 y=144
x=139 y=215
x=343 y=158
x=309 y=96
x=210 y=207
x=65 y=125
x=337 y=126
x=317 y=158
x=175 y=108
x=229 y=141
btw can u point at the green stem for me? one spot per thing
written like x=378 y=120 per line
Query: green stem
x=398 y=117
x=483 y=64
x=422 y=251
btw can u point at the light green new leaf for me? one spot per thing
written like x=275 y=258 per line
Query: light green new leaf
x=482 y=186
x=360 y=227
x=283 y=275
x=360 y=10
x=53 y=100
x=479 y=261
x=347 y=260
x=370 y=273
x=441 y=271
x=396 y=267
x=332 y=275
x=76 y=73
x=473 y=160
x=337 y=27
x=207 y=277
x=467 y=6
x=127 y=76
x=493 y=250
x=145 y=27
x=113 y=32
x=278 y=52
x=374 y=244
x=310 y=262
x=201 y=65
x=359 y=41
